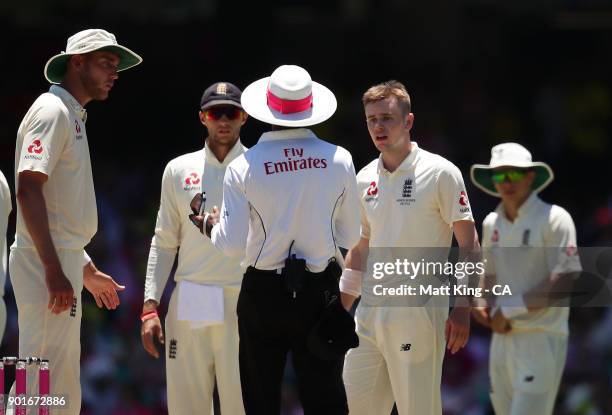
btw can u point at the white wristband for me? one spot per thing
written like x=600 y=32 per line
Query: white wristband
x=350 y=282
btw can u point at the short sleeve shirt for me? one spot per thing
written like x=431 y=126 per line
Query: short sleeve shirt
x=414 y=206
x=52 y=140
x=540 y=241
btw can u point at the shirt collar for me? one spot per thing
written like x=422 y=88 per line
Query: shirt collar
x=210 y=157
x=406 y=164
x=286 y=134
x=526 y=208
x=70 y=101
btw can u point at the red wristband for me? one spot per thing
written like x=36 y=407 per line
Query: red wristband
x=148 y=315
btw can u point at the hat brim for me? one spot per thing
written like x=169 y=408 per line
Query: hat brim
x=55 y=69
x=255 y=103
x=481 y=176
x=221 y=102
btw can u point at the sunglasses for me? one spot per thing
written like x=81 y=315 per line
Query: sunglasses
x=216 y=113
x=512 y=176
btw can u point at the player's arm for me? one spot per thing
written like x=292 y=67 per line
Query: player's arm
x=564 y=267
x=457 y=328
x=352 y=276
x=164 y=246
x=102 y=286
x=229 y=232
x=34 y=212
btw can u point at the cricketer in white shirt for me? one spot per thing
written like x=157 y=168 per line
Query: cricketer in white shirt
x=410 y=198
x=201 y=326
x=529 y=246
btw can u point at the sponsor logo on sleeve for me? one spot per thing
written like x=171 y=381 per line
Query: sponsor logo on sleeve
x=35 y=149
x=463 y=202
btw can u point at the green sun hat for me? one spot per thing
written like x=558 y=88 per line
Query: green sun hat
x=510 y=155
x=87 y=41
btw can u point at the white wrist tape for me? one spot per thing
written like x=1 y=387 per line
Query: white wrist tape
x=512 y=307
x=350 y=282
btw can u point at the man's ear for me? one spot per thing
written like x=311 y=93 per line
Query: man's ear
x=409 y=120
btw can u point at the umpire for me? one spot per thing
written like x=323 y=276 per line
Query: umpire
x=293 y=199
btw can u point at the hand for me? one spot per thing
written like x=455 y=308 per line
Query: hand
x=457 y=330
x=61 y=293
x=103 y=288
x=499 y=323
x=150 y=330
x=481 y=315
x=347 y=301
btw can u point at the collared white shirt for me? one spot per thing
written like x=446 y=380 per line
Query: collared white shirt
x=5 y=209
x=540 y=241
x=198 y=261
x=414 y=206
x=291 y=186
x=52 y=140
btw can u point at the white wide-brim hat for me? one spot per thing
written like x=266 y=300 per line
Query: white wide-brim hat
x=87 y=41
x=510 y=155
x=289 y=98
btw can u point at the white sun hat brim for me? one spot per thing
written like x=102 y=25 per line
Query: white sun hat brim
x=254 y=102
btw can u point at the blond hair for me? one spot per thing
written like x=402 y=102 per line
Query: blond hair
x=388 y=89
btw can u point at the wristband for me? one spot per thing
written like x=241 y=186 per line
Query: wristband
x=148 y=315
x=350 y=282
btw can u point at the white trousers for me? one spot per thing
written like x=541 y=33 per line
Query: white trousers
x=196 y=357
x=399 y=359
x=525 y=371
x=44 y=334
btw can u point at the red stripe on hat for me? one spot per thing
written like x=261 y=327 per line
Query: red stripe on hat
x=288 y=106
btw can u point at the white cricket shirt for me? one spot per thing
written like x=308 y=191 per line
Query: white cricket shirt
x=52 y=140
x=414 y=206
x=291 y=186
x=538 y=225
x=5 y=209
x=198 y=260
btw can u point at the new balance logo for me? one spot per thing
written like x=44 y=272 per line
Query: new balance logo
x=172 y=349
x=405 y=347
x=73 y=309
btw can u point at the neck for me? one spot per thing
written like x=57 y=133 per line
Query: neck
x=512 y=206
x=75 y=88
x=393 y=158
x=220 y=150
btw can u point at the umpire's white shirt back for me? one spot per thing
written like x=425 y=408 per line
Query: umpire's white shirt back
x=291 y=186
